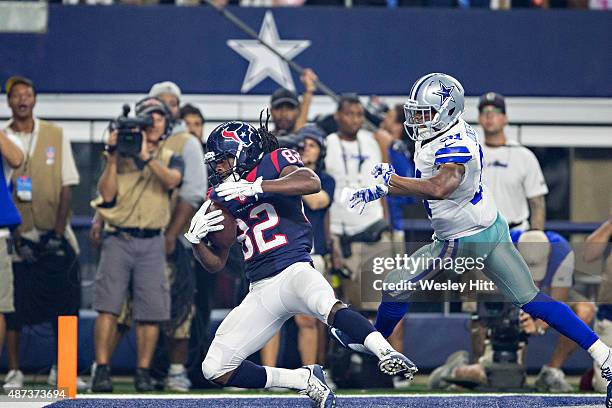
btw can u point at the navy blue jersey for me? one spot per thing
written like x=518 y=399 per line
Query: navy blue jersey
x=272 y=228
x=317 y=217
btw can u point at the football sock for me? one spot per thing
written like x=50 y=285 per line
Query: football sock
x=248 y=375
x=175 y=369
x=281 y=377
x=353 y=324
x=388 y=316
x=377 y=344
x=600 y=352
x=559 y=316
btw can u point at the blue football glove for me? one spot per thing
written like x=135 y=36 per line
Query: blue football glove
x=384 y=171
x=362 y=196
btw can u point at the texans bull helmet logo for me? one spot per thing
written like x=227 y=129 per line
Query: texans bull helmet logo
x=239 y=133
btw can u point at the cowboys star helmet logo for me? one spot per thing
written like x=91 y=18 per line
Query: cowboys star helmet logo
x=445 y=92
x=238 y=133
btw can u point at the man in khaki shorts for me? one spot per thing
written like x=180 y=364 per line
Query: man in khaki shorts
x=134 y=203
x=180 y=262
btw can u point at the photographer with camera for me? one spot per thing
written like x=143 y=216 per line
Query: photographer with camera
x=45 y=268
x=179 y=259
x=186 y=200
x=551 y=261
x=134 y=204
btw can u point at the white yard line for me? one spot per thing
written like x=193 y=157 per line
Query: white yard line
x=398 y=396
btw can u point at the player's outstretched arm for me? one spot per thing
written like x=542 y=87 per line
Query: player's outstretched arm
x=437 y=187
x=293 y=181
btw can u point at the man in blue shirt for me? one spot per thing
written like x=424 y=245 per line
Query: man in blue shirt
x=11 y=156
x=551 y=260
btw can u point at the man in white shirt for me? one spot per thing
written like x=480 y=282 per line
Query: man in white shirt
x=42 y=193
x=511 y=171
x=11 y=156
x=351 y=153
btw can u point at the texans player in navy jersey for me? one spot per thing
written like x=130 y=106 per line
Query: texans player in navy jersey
x=261 y=185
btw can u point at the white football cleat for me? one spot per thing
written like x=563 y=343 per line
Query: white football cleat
x=396 y=363
x=317 y=389
x=606 y=374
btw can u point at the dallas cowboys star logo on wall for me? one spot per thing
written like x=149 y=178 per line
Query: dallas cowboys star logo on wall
x=444 y=93
x=263 y=63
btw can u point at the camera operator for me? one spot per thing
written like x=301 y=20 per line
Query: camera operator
x=551 y=261
x=134 y=203
x=180 y=262
x=182 y=266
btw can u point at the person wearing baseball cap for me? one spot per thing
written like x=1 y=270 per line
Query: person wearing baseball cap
x=187 y=199
x=285 y=109
x=288 y=114
x=170 y=94
x=511 y=171
x=133 y=208
x=494 y=100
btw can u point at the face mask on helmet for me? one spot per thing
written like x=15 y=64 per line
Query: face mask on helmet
x=435 y=105
x=221 y=168
x=235 y=148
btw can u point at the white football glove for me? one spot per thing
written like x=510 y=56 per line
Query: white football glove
x=356 y=200
x=241 y=189
x=203 y=223
x=384 y=171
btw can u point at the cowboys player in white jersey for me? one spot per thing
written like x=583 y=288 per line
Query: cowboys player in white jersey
x=466 y=223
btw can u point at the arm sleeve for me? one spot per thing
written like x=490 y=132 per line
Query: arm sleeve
x=194 y=185
x=452 y=154
x=70 y=174
x=177 y=163
x=534 y=183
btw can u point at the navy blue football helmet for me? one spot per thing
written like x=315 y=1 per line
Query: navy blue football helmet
x=233 y=139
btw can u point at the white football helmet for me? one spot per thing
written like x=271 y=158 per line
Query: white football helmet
x=436 y=102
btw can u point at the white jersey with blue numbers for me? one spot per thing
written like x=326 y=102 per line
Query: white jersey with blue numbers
x=470 y=208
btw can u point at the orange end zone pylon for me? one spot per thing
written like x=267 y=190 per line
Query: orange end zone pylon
x=67 y=355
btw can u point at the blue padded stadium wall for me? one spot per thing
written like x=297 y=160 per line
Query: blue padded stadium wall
x=365 y=50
